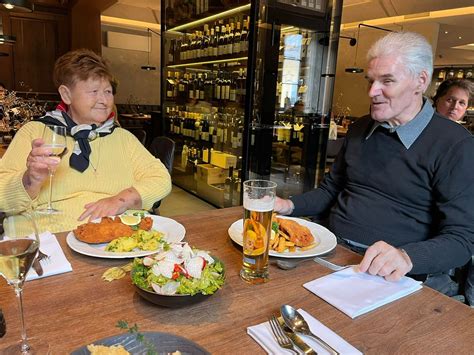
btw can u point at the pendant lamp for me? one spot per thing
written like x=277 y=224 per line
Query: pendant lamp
x=355 y=69
x=17 y=5
x=149 y=67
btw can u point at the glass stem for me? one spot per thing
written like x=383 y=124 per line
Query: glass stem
x=25 y=347
x=50 y=207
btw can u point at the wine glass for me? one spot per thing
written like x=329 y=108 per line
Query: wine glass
x=18 y=249
x=55 y=139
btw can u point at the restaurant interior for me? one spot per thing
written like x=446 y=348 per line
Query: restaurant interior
x=129 y=34
x=192 y=86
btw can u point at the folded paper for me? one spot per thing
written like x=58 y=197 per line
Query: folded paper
x=356 y=293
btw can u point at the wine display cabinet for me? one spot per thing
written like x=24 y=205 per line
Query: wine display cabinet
x=243 y=94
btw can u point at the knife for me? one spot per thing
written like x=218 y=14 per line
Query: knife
x=295 y=338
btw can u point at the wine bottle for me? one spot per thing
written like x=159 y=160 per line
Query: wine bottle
x=184 y=49
x=236 y=39
x=229 y=39
x=220 y=50
x=169 y=86
x=200 y=87
x=244 y=37
x=205 y=42
x=215 y=42
x=218 y=87
x=190 y=87
x=233 y=89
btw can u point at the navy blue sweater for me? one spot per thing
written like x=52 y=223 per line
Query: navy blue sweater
x=420 y=199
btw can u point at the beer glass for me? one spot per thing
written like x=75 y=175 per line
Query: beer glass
x=259 y=200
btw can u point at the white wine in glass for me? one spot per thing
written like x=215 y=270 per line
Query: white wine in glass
x=54 y=138
x=17 y=253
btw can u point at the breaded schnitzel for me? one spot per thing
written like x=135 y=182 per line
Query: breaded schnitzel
x=107 y=230
x=300 y=235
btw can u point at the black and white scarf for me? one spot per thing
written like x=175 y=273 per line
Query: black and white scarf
x=82 y=134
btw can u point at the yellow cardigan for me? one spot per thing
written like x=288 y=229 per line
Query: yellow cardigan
x=118 y=161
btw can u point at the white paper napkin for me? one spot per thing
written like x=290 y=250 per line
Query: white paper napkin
x=57 y=263
x=356 y=293
x=262 y=334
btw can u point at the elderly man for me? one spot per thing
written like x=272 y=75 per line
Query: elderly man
x=402 y=188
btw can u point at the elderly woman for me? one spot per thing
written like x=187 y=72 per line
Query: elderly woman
x=105 y=170
x=452 y=98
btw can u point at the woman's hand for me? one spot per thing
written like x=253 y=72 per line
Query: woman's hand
x=39 y=163
x=114 y=205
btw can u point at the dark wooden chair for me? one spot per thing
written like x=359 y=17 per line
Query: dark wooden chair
x=140 y=134
x=163 y=149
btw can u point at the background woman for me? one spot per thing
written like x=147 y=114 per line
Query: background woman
x=105 y=170
x=452 y=98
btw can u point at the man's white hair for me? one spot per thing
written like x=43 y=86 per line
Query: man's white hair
x=412 y=48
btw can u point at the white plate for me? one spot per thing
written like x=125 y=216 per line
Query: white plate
x=173 y=232
x=327 y=239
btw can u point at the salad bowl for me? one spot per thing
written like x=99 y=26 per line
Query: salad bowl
x=191 y=289
x=170 y=301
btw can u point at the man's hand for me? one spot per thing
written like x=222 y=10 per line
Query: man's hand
x=385 y=260
x=111 y=206
x=38 y=165
x=283 y=206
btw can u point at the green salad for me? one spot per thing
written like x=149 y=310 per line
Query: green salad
x=180 y=270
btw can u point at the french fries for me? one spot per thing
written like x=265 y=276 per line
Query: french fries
x=280 y=241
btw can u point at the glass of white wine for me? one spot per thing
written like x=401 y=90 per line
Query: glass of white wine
x=54 y=138
x=18 y=249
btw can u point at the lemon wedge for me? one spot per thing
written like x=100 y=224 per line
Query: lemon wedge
x=130 y=220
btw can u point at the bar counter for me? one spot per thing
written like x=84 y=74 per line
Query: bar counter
x=67 y=311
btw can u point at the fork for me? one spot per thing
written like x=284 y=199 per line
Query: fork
x=43 y=257
x=291 y=264
x=330 y=265
x=280 y=336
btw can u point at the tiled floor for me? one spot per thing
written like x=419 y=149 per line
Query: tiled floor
x=180 y=202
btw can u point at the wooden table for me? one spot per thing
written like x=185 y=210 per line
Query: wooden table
x=67 y=311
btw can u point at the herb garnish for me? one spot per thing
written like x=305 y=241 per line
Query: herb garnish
x=150 y=348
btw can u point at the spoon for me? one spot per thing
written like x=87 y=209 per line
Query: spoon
x=295 y=321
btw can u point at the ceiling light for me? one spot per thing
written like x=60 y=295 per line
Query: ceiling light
x=459 y=37
x=354 y=70
x=446 y=32
x=17 y=5
x=461 y=11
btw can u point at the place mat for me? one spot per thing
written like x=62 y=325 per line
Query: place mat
x=263 y=335
x=356 y=293
x=57 y=262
